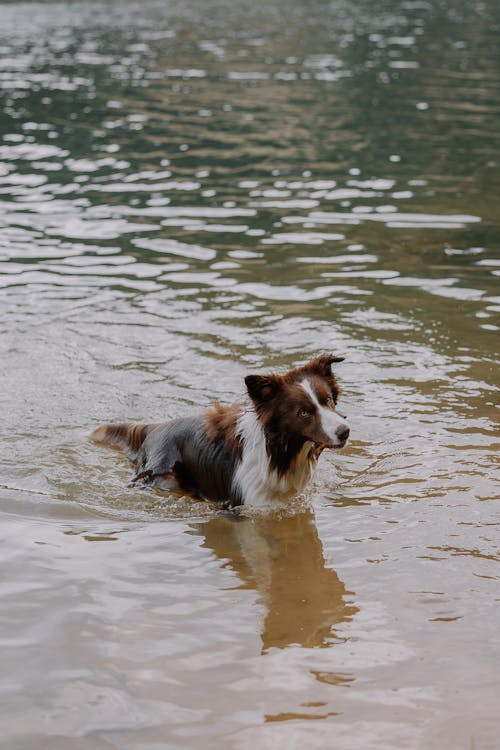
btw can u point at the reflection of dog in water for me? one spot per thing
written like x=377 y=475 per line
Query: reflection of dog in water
x=255 y=452
x=282 y=558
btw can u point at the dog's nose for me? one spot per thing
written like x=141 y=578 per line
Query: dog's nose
x=342 y=433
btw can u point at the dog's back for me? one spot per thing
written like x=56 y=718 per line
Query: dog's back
x=177 y=455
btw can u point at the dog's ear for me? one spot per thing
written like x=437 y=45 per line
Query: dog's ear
x=262 y=387
x=323 y=364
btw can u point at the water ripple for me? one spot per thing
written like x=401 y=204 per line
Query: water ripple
x=190 y=194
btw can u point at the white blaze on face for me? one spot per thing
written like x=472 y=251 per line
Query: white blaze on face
x=331 y=422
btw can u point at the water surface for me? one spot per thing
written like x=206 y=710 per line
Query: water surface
x=190 y=192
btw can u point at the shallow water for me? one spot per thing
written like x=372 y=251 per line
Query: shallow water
x=194 y=191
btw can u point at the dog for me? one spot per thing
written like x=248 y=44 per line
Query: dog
x=258 y=452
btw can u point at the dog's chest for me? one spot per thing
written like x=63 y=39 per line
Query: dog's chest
x=255 y=479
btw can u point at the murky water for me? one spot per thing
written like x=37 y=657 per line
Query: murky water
x=191 y=191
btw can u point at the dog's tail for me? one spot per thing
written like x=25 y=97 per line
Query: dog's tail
x=127 y=437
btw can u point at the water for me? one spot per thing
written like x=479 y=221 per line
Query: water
x=191 y=192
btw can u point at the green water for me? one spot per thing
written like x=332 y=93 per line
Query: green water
x=192 y=191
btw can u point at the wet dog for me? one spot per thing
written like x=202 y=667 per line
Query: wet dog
x=260 y=451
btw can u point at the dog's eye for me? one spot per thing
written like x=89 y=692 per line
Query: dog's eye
x=304 y=413
x=330 y=403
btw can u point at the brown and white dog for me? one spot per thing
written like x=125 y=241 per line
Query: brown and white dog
x=260 y=451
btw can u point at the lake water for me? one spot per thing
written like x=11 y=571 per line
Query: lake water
x=192 y=191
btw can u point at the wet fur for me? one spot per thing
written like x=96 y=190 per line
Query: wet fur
x=261 y=450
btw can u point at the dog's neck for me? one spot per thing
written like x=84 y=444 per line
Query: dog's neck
x=270 y=469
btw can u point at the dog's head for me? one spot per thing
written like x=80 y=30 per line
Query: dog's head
x=300 y=406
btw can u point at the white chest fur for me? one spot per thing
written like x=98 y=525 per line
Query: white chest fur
x=257 y=483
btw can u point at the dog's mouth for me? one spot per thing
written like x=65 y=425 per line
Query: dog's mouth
x=318 y=448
